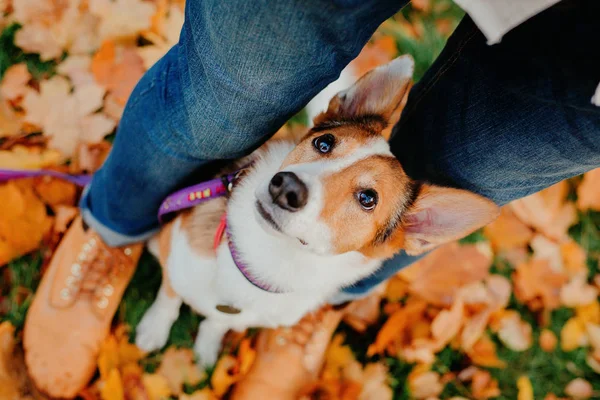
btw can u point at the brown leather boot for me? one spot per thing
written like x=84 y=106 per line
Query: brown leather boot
x=73 y=308
x=289 y=359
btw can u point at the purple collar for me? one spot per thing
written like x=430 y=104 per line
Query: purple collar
x=193 y=195
x=182 y=199
x=243 y=267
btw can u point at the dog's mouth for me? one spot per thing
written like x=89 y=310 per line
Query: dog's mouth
x=266 y=216
x=269 y=219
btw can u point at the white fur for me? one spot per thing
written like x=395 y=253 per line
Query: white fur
x=308 y=278
x=308 y=274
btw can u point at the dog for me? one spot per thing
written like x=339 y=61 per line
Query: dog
x=305 y=220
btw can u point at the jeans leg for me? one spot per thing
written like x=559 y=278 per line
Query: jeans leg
x=239 y=71
x=506 y=120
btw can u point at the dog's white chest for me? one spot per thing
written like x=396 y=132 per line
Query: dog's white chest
x=205 y=284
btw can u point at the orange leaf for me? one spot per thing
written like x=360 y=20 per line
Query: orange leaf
x=118 y=69
x=588 y=192
x=23 y=220
x=439 y=276
x=10 y=121
x=574 y=257
x=14 y=82
x=548 y=340
x=514 y=332
x=483 y=386
x=507 y=231
x=447 y=323
x=536 y=279
x=246 y=356
x=178 y=367
x=203 y=394
x=589 y=312
x=577 y=292
x=393 y=328
x=113 y=387
x=223 y=376
x=375 y=53
x=483 y=353
x=547 y=211
x=55 y=192
x=425 y=384
x=157 y=386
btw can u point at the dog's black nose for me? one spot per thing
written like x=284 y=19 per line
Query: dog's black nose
x=288 y=191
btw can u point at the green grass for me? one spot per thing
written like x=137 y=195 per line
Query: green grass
x=11 y=54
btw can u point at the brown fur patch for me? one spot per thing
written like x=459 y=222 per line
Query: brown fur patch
x=200 y=224
x=357 y=229
x=164 y=248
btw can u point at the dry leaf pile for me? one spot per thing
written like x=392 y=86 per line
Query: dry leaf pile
x=483 y=303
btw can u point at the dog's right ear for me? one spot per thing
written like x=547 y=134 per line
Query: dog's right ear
x=381 y=92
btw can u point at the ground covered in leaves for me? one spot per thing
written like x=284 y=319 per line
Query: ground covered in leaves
x=511 y=312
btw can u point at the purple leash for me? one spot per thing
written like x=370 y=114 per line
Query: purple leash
x=8 y=174
x=182 y=199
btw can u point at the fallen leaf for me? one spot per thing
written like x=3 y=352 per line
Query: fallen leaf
x=573 y=335
x=547 y=211
x=514 y=332
x=117 y=69
x=23 y=220
x=223 y=376
x=589 y=312
x=579 y=388
x=525 y=388
x=507 y=231
x=593 y=332
x=483 y=353
x=546 y=249
x=425 y=385
x=157 y=386
x=474 y=329
x=548 y=340
x=577 y=292
x=178 y=367
x=113 y=387
x=9 y=386
x=78 y=69
x=90 y=157
x=10 y=122
x=588 y=192
x=164 y=36
x=203 y=394
x=395 y=325
x=377 y=52
x=55 y=192
x=447 y=323
x=439 y=276
x=14 y=82
x=536 y=280
x=21 y=157
x=122 y=18
x=574 y=257
x=375 y=383
x=483 y=386
x=65 y=116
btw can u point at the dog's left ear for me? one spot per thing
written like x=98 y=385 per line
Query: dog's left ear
x=381 y=92
x=441 y=214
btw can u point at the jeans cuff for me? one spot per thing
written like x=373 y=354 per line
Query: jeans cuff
x=111 y=237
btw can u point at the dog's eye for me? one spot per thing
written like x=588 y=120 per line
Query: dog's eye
x=367 y=199
x=324 y=143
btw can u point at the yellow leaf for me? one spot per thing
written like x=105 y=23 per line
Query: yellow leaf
x=525 y=388
x=112 y=389
x=593 y=331
x=589 y=312
x=108 y=359
x=157 y=386
x=21 y=157
x=572 y=335
x=224 y=376
x=574 y=257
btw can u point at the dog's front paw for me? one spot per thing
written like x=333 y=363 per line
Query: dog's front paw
x=207 y=353
x=152 y=332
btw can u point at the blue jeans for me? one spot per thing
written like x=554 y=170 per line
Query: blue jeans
x=503 y=121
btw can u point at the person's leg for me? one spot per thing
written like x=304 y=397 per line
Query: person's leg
x=240 y=70
x=507 y=120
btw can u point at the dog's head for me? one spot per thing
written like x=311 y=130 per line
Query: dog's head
x=342 y=190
